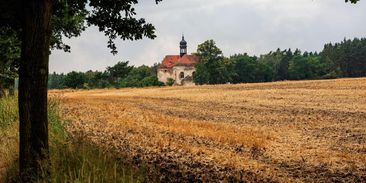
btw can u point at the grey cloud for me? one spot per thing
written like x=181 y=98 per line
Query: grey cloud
x=255 y=26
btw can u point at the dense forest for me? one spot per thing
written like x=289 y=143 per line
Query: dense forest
x=345 y=59
x=118 y=76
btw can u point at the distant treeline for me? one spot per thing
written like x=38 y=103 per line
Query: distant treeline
x=119 y=76
x=345 y=59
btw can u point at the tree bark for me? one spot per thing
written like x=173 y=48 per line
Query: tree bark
x=33 y=76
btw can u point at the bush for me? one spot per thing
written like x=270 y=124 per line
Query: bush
x=151 y=81
x=331 y=75
x=170 y=82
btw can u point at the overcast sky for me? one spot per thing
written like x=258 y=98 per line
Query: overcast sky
x=238 y=26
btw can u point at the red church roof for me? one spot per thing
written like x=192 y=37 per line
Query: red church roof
x=175 y=60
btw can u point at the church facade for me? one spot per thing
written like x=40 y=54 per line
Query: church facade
x=179 y=68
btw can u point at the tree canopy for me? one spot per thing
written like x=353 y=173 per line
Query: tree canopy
x=211 y=68
x=118 y=76
x=352 y=1
x=344 y=59
x=9 y=59
x=116 y=18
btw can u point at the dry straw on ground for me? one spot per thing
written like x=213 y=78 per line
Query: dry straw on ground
x=283 y=131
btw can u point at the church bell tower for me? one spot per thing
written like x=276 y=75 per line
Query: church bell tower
x=183 y=47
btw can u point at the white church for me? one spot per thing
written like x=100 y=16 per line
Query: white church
x=180 y=68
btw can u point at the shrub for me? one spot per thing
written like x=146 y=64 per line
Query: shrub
x=170 y=82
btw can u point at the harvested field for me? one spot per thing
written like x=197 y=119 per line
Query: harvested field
x=305 y=131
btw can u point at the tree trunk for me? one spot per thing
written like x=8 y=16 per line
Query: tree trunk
x=33 y=75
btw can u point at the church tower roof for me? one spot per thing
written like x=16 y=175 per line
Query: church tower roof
x=183 y=42
x=183 y=47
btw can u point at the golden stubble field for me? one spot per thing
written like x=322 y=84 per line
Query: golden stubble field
x=305 y=131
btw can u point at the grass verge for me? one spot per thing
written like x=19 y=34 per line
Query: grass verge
x=8 y=134
x=72 y=160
